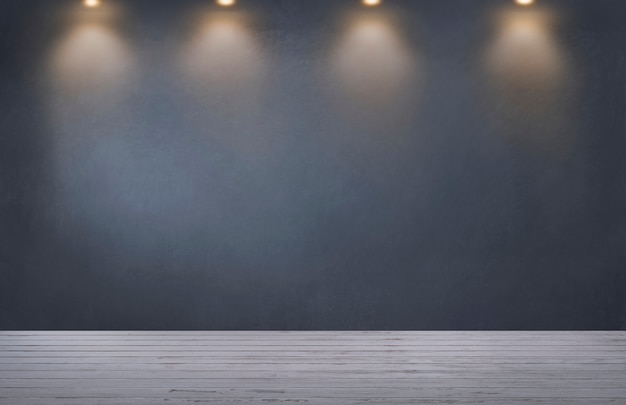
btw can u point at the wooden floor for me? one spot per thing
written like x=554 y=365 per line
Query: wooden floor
x=335 y=368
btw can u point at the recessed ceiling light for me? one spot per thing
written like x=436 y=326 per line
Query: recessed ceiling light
x=226 y=3
x=372 y=3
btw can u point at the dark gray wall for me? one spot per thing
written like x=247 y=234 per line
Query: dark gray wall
x=444 y=164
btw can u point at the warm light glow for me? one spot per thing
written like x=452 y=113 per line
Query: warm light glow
x=92 y=3
x=90 y=70
x=373 y=70
x=372 y=3
x=525 y=2
x=530 y=82
x=226 y=3
x=224 y=58
x=90 y=58
x=525 y=51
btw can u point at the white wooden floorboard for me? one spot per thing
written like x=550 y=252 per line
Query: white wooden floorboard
x=314 y=368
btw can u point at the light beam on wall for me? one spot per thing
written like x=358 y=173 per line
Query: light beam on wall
x=90 y=65
x=526 y=51
x=223 y=57
x=91 y=70
x=373 y=70
x=530 y=76
x=91 y=58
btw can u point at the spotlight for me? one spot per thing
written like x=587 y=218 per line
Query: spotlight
x=372 y=3
x=525 y=2
x=91 y=3
x=226 y=3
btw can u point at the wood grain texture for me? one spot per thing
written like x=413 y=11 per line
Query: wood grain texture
x=314 y=368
